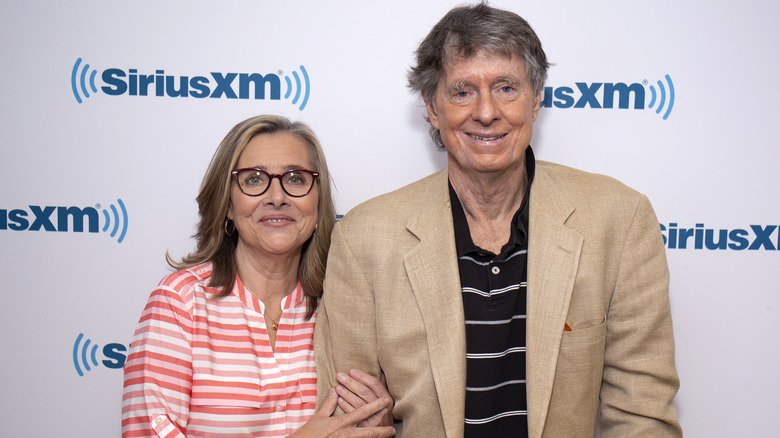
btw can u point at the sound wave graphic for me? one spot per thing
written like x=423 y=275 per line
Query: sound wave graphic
x=82 y=80
x=85 y=351
x=662 y=100
x=118 y=219
x=298 y=87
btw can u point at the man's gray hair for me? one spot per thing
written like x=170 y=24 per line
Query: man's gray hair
x=466 y=30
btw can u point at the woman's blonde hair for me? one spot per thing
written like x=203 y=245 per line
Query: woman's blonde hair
x=216 y=246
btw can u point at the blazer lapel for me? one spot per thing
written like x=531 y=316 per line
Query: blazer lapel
x=432 y=268
x=553 y=259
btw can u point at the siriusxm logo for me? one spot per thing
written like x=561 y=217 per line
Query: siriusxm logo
x=85 y=355
x=64 y=219
x=117 y=82
x=605 y=95
x=755 y=238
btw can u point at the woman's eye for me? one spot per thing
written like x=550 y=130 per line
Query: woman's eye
x=295 y=178
x=255 y=180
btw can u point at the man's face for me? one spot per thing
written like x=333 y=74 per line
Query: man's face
x=484 y=108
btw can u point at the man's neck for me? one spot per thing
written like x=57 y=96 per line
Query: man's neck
x=489 y=202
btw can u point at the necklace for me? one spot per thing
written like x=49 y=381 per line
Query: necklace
x=274 y=323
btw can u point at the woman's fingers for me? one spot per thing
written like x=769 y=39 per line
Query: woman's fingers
x=365 y=411
x=357 y=389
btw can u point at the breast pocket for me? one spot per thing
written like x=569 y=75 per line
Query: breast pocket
x=585 y=338
x=581 y=363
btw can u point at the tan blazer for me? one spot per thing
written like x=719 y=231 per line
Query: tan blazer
x=596 y=261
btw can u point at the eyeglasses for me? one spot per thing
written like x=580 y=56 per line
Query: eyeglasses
x=255 y=182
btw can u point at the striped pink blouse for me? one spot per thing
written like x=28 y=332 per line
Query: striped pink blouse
x=203 y=367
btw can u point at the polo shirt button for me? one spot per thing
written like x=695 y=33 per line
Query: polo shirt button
x=279 y=408
x=495 y=270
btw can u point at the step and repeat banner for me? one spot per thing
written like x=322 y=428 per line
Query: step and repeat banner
x=111 y=112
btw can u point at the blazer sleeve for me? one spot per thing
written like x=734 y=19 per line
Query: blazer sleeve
x=639 y=379
x=345 y=333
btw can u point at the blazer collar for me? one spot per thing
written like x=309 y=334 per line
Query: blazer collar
x=432 y=268
x=553 y=259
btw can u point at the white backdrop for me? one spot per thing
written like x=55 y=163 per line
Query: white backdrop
x=71 y=298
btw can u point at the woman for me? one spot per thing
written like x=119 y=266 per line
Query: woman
x=224 y=345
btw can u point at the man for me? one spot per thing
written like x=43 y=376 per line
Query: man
x=502 y=296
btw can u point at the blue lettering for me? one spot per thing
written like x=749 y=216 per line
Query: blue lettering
x=115 y=86
x=224 y=85
x=143 y=84
x=259 y=82
x=170 y=86
x=133 y=81
x=250 y=85
x=685 y=233
x=722 y=239
x=564 y=97
x=762 y=237
x=588 y=95
x=699 y=236
x=42 y=218
x=758 y=237
x=114 y=352
x=739 y=241
x=17 y=220
x=78 y=218
x=200 y=89
x=624 y=92
x=672 y=235
x=159 y=83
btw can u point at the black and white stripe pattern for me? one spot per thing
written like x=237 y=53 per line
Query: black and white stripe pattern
x=493 y=288
x=494 y=304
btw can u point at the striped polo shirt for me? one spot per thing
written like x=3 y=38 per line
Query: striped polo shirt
x=493 y=288
x=203 y=367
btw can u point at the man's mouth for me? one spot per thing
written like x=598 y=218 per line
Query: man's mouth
x=483 y=138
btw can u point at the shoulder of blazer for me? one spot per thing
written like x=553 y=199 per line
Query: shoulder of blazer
x=583 y=190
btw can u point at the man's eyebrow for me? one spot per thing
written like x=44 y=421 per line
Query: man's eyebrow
x=509 y=79
x=459 y=85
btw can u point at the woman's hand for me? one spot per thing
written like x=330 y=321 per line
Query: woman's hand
x=359 y=389
x=321 y=424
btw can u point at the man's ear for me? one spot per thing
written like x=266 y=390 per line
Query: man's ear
x=537 y=103
x=433 y=113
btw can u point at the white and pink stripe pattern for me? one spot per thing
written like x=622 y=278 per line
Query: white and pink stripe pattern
x=203 y=367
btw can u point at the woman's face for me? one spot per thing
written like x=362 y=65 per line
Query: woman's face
x=274 y=223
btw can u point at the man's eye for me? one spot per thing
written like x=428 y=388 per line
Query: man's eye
x=460 y=96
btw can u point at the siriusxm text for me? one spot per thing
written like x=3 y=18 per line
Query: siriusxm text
x=753 y=238
x=50 y=218
x=595 y=95
x=215 y=85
